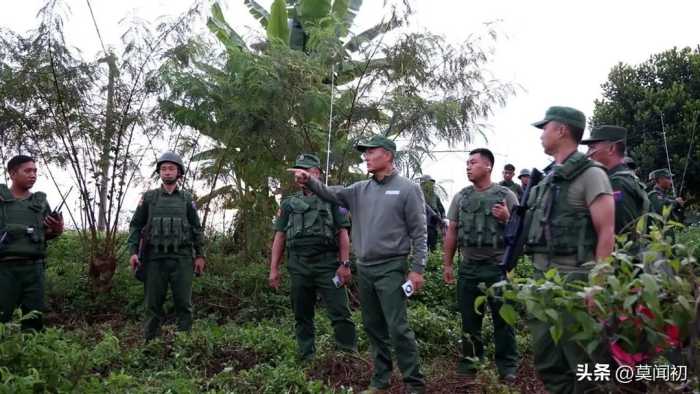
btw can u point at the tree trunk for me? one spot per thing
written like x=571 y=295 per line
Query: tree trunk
x=105 y=159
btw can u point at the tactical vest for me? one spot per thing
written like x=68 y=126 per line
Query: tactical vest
x=310 y=222
x=628 y=176
x=431 y=200
x=555 y=227
x=25 y=227
x=477 y=225
x=663 y=200
x=660 y=195
x=169 y=226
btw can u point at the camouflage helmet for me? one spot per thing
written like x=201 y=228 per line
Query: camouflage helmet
x=660 y=173
x=426 y=179
x=171 y=157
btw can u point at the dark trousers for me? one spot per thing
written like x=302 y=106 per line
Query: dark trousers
x=471 y=274
x=432 y=238
x=22 y=285
x=386 y=323
x=309 y=276
x=175 y=272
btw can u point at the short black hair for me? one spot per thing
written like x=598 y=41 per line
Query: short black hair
x=17 y=161
x=485 y=153
x=509 y=167
x=576 y=133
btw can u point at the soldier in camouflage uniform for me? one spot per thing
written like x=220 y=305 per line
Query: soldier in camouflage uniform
x=606 y=145
x=662 y=195
x=477 y=215
x=524 y=178
x=570 y=222
x=508 y=173
x=26 y=223
x=315 y=234
x=173 y=251
x=435 y=211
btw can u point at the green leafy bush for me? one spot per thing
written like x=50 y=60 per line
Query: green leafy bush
x=437 y=331
x=632 y=307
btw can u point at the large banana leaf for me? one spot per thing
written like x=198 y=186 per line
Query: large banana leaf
x=370 y=34
x=277 y=27
x=259 y=12
x=312 y=11
x=227 y=190
x=223 y=31
x=348 y=71
x=209 y=154
x=346 y=10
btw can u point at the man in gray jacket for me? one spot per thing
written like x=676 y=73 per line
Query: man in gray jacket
x=388 y=215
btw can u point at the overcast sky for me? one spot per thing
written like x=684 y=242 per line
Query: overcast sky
x=559 y=52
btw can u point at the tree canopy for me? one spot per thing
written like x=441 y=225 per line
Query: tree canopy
x=264 y=102
x=665 y=88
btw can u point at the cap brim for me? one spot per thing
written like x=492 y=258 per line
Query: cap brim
x=662 y=176
x=541 y=123
x=364 y=147
x=590 y=141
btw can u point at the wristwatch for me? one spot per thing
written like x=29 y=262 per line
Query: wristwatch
x=345 y=263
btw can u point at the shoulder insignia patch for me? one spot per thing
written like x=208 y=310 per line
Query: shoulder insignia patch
x=617 y=195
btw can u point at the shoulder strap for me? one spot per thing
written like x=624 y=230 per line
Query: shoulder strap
x=5 y=194
x=150 y=198
x=467 y=191
x=623 y=174
x=574 y=166
x=39 y=197
x=187 y=196
x=502 y=191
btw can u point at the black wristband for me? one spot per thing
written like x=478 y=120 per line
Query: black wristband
x=345 y=263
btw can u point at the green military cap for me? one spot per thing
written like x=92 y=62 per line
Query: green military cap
x=606 y=133
x=661 y=172
x=378 y=141
x=567 y=115
x=426 y=178
x=524 y=172
x=307 y=160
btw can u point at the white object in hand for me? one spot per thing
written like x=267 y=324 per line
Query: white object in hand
x=336 y=281
x=408 y=288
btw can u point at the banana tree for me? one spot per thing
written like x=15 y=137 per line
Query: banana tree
x=302 y=24
x=263 y=104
